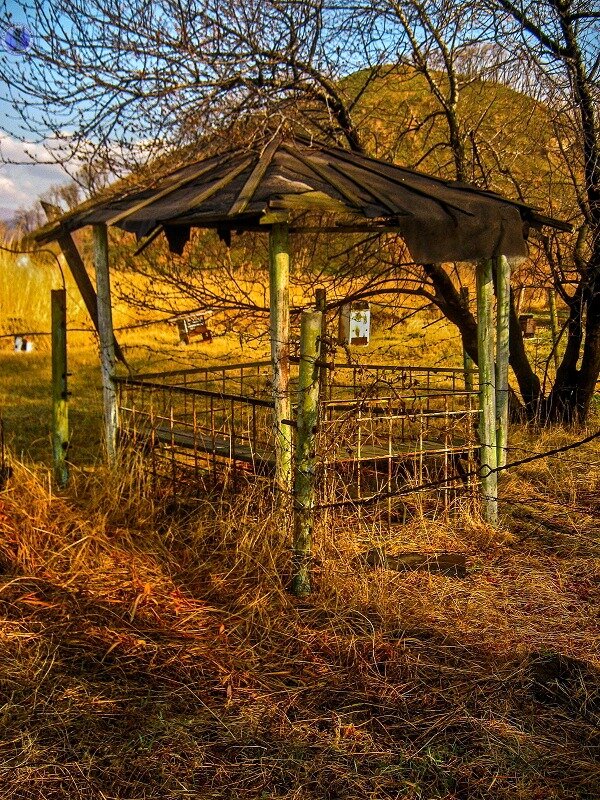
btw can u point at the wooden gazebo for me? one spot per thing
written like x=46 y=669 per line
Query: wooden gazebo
x=268 y=186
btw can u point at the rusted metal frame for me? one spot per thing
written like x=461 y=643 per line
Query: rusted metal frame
x=257 y=174
x=196 y=370
x=259 y=401
x=402 y=367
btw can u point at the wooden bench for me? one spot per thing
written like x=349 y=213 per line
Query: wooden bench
x=194 y=325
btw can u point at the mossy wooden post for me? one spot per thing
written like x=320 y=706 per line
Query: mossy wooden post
x=468 y=364
x=306 y=434
x=106 y=336
x=487 y=390
x=60 y=395
x=553 y=325
x=279 y=269
x=502 y=356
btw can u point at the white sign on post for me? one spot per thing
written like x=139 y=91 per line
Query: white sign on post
x=355 y=323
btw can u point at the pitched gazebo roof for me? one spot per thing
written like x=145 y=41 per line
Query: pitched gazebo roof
x=240 y=189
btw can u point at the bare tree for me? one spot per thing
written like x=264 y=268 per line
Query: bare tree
x=556 y=41
x=124 y=84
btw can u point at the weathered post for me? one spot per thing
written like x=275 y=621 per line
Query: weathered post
x=321 y=305
x=279 y=269
x=60 y=395
x=487 y=390
x=77 y=268
x=106 y=336
x=306 y=462
x=553 y=325
x=468 y=364
x=502 y=356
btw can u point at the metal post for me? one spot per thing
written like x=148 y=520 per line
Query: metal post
x=306 y=462
x=487 y=390
x=106 y=335
x=279 y=258
x=60 y=395
x=502 y=356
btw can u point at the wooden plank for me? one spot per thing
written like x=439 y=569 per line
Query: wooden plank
x=380 y=195
x=328 y=175
x=487 y=391
x=279 y=269
x=452 y=564
x=107 y=350
x=306 y=456
x=257 y=174
x=379 y=170
x=207 y=193
x=128 y=212
x=318 y=201
x=154 y=234
x=60 y=395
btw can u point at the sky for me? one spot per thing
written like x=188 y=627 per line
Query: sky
x=21 y=184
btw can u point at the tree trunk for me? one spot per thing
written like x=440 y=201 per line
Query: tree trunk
x=448 y=300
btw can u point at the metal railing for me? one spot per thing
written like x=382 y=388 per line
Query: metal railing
x=381 y=425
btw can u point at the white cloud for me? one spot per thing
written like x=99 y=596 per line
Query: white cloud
x=23 y=182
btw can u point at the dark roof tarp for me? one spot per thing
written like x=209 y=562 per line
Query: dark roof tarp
x=439 y=220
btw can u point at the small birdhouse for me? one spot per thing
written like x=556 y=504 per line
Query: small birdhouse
x=355 y=323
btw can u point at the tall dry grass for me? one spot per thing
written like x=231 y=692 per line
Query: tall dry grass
x=149 y=648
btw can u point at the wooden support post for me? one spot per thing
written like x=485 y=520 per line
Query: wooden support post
x=502 y=356
x=468 y=364
x=487 y=390
x=554 y=325
x=306 y=462
x=77 y=268
x=60 y=395
x=279 y=301
x=321 y=305
x=105 y=332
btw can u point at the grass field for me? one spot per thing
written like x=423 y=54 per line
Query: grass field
x=151 y=650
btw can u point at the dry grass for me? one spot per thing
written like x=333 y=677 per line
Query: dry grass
x=151 y=651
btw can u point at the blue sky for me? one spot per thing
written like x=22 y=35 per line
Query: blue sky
x=21 y=184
